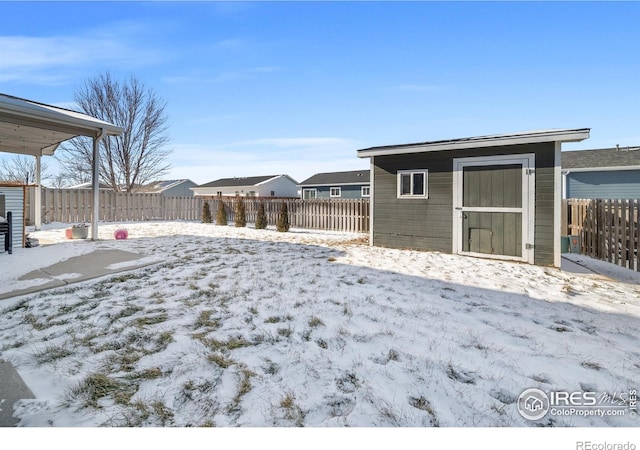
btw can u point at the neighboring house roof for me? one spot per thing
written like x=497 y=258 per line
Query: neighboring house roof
x=338 y=178
x=526 y=137
x=161 y=186
x=242 y=181
x=612 y=158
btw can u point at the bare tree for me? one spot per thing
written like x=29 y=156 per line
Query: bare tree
x=22 y=169
x=133 y=159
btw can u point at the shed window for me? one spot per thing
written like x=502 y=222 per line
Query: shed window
x=412 y=183
x=335 y=192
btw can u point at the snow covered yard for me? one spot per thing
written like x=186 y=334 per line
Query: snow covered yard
x=242 y=327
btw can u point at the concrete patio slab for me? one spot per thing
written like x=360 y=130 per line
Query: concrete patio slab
x=12 y=389
x=79 y=268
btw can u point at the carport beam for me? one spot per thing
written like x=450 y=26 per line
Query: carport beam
x=37 y=218
x=95 y=179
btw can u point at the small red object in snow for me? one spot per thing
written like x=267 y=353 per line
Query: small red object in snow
x=121 y=234
x=68 y=233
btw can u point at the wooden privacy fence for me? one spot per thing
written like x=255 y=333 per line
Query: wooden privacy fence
x=333 y=214
x=75 y=206
x=608 y=229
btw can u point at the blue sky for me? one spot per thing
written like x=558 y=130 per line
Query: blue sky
x=297 y=87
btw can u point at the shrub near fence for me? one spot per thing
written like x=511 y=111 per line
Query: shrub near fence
x=609 y=229
x=334 y=215
x=75 y=206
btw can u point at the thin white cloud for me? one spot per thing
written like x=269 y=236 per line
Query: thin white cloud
x=301 y=143
x=223 y=77
x=419 y=87
x=55 y=59
x=230 y=44
x=298 y=157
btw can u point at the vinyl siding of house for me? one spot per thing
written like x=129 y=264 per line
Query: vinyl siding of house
x=427 y=224
x=619 y=184
x=181 y=190
x=282 y=186
x=14 y=202
x=347 y=192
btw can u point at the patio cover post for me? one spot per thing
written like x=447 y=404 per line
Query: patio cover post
x=95 y=179
x=38 y=194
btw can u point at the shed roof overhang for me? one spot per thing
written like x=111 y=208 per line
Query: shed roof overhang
x=31 y=128
x=497 y=140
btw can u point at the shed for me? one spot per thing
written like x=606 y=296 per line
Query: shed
x=494 y=196
x=12 y=200
x=607 y=173
x=346 y=185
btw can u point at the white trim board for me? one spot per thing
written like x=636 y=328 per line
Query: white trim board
x=334 y=184
x=530 y=137
x=558 y=193
x=599 y=169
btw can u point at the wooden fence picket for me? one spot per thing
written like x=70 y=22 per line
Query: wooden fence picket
x=609 y=229
x=76 y=206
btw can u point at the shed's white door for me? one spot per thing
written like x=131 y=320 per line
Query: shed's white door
x=494 y=209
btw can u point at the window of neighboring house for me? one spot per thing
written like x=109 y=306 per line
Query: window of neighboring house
x=366 y=191
x=219 y=193
x=335 y=192
x=251 y=194
x=412 y=183
x=273 y=193
x=309 y=194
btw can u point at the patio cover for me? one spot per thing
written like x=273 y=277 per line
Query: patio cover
x=36 y=129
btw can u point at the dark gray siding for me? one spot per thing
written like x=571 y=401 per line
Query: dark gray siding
x=621 y=184
x=545 y=189
x=426 y=224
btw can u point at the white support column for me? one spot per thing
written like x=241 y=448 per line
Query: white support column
x=95 y=181
x=37 y=219
x=372 y=168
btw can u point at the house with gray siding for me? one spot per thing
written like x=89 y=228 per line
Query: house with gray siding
x=608 y=173
x=495 y=196
x=258 y=186
x=169 y=188
x=338 y=185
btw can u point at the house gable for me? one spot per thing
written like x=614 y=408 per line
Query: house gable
x=262 y=186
